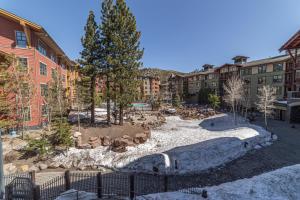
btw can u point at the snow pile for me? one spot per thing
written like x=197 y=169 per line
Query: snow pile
x=179 y=146
x=74 y=194
x=282 y=184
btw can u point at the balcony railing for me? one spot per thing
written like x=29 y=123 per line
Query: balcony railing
x=293 y=95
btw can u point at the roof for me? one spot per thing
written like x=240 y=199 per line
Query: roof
x=266 y=61
x=39 y=30
x=239 y=57
x=292 y=43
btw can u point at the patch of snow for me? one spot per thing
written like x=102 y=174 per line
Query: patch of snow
x=74 y=194
x=281 y=184
x=190 y=146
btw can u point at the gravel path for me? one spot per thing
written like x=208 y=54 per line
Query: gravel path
x=284 y=152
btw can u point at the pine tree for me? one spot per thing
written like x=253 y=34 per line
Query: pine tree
x=90 y=58
x=214 y=101
x=105 y=57
x=123 y=54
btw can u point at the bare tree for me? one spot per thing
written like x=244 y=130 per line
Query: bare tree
x=266 y=97
x=246 y=98
x=233 y=93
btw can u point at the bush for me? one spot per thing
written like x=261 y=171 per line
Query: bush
x=39 y=147
x=62 y=133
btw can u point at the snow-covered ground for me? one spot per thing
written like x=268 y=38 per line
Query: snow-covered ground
x=282 y=184
x=179 y=146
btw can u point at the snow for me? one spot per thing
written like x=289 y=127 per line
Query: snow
x=179 y=146
x=74 y=194
x=282 y=184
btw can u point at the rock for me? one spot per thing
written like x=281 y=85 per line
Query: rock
x=53 y=165
x=24 y=168
x=257 y=147
x=92 y=139
x=67 y=165
x=105 y=141
x=81 y=167
x=77 y=134
x=9 y=168
x=274 y=137
x=141 y=138
x=33 y=168
x=43 y=166
x=18 y=144
x=119 y=149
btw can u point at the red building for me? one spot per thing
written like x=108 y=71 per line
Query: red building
x=37 y=51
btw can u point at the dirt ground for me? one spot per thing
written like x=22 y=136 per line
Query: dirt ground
x=284 y=152
x=113 y=132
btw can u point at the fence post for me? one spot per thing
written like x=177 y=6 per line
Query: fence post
x=67 y=180
x=8 y=192
x=32 y=176
x=36 y=192
x=131 y=184
x=99 y=185
x=165 y=183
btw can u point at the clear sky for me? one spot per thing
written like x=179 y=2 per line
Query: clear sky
x=177 y=34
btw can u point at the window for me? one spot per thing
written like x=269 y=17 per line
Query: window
x=23 y=63
x=63 y=66
x=53 y=57
x=44 y=110
x=44 y=90
x=277 y=67
x=297 y=74
x=42 y=48
x=63 y=78
x=21 y=40
x=25 y=90
x=261 y=80
x=43 y=69
x=53 y=73
x=27 y=114
x=246 y=71
x=277 y=79
x=278 y=90
x=262 y=69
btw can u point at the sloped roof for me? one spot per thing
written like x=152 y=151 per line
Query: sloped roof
x=292 y=43
x=266 y=61
x=38 y=29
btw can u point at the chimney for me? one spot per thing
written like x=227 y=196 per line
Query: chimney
x=240 y=59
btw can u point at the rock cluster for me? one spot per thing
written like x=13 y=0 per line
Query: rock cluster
x=188 y=113
x=117 y=144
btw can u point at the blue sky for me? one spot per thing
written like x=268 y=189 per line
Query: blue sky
x=177 y=34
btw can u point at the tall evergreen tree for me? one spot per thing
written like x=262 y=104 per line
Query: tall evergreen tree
x=123 y=53
x=105 y=34
x=90 y=58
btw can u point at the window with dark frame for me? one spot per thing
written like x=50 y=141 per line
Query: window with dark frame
x=27 y=114
x=43 y=69
x=42 y=48
x=44 y=110
x=262 y=69
x=23 y=64
x=21 y=40
x=277 y=79
x=44 y=90
x=278 y=67
x=261 y=80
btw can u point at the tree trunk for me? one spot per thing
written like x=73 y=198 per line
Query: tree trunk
x=121 y=120
x=93 y=82
x=266 y=123
x=234 y=115
x=108 y=100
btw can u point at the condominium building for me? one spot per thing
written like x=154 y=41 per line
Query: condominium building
x=150 y=87
x=36 y=50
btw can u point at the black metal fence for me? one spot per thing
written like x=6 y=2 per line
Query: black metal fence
x=114 y=185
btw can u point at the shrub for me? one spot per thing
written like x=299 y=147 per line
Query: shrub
x=62 y=133
x=40 y=147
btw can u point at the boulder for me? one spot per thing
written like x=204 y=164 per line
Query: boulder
x=42 y=166
x=84 y=146
x=92 y=139
x=105 y=141
x=18 y=144
x=9 y=168
x=53 y=165
x=33 y=168
x=140 y=138
x=77 y=134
